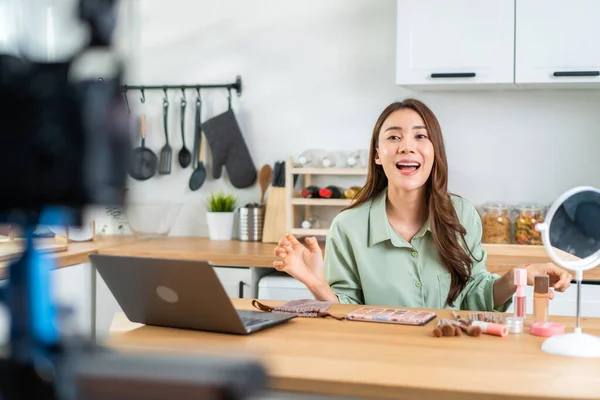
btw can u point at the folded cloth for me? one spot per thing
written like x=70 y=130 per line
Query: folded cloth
x=302 y=308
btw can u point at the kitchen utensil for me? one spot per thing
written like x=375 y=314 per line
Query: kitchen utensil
x=264 y=178
x=274 y=225
x=143 y=162
x=166 y=152
x=250 y=223
x=281 y=182
x=185 y=157
x=199 y=175
x=229 y=149
x=276 y=173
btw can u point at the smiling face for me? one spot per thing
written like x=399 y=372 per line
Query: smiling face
x=405 y=150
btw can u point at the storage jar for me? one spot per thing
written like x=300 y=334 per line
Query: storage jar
x=496 y=223
x=528 y=216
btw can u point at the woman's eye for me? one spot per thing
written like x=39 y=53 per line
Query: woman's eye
x=393 y=137
x=421 y=136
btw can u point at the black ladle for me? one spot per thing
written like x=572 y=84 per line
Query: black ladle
x=199 y=175
x=185 y=157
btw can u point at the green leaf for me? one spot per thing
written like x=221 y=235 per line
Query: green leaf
x=221 y=202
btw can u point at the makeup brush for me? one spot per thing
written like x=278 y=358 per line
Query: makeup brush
x=437 y=331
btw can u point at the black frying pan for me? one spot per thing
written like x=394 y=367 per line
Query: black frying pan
x=199 y=175
x=144 y=162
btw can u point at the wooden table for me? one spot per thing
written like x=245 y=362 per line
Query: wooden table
x=234 y=253
x=78 y=252
x=384 y=361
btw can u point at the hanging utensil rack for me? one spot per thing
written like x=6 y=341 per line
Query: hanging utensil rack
x=237 y=85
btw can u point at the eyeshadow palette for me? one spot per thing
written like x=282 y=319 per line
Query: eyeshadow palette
x=391 y=316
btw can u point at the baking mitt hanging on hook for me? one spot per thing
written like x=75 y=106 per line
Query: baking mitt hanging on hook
x=229 y=149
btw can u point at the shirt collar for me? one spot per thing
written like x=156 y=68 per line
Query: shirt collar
x=380 y=229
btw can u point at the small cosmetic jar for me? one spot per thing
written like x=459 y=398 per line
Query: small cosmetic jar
x=547 y=329
x=514 y=324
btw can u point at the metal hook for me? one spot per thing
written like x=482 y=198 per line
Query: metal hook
x=198 y=98
x=229 y=99
x=143 y=98
x=126 y=101
x=183 y=100
x=166 y=99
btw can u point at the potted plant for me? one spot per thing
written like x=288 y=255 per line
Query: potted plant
x=220 y=215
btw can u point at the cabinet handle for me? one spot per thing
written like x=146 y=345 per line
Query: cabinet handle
x=453 y=75
x=576 y=73
x=241 y=290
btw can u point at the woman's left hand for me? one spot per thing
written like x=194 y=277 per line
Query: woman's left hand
x=560 y=279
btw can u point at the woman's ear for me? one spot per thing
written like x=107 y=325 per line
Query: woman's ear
x=377 y=159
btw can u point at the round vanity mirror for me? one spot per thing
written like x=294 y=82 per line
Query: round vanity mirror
x=571 y=237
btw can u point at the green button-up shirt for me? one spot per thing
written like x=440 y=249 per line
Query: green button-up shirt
x=368 y=262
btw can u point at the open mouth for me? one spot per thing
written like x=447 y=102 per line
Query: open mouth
x=408 y=168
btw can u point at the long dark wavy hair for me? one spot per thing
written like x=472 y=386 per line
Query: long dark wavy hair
x=445 y=225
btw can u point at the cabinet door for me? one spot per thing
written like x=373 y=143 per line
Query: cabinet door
x=72 y=288
x=557 y=43
x=236 y=281
x=462 y=42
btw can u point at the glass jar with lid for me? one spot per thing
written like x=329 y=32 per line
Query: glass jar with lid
x=528 y=216
x=496 y=223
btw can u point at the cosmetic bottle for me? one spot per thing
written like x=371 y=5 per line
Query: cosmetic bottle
x=541 y=288
x=491 y=328
x=520 y=283
x=515 y=323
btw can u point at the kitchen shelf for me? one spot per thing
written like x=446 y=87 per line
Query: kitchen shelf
x=294 y=203
x=328 y=171
x=309 y=232
x=321 y=202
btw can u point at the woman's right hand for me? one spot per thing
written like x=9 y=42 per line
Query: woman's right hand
x=302 y=263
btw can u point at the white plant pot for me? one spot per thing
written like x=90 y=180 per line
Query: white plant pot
x=220 y=225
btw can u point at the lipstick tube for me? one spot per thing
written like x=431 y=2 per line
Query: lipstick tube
x=520 y=283
x=541 y=288
x=491 y=328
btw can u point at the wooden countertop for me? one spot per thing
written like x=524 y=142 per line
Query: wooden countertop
x=236 y=253
x=385 y=361
x=78 y=252
x=232 y=253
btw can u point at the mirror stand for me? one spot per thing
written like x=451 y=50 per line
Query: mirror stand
x=571 y=245
x=577 y=343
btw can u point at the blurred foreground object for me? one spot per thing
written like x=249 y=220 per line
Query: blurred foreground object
x=64 y=145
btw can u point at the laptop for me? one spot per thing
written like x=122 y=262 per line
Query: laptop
x=183 y=294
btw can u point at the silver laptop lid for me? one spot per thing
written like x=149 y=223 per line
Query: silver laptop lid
x=169 y=292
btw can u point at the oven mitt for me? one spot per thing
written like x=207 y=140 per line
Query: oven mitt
x=302 y=308
x=229 y=149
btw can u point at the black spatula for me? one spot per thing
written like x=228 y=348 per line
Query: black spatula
x=166 y=152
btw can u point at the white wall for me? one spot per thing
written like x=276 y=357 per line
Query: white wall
x=317 y=74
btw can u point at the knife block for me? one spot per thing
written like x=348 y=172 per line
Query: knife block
x=274 y=224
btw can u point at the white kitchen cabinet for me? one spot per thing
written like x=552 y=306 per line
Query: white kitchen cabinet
x=72 y=288
x=236 y=281
x=468 y=43
x=557 y=43
x=565 y=304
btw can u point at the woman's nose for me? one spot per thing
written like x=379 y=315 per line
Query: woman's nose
x=406 y=146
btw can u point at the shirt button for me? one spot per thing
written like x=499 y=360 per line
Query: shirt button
x=418 y=284
x=414 y=254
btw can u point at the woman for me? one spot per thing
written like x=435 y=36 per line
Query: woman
x=405 y=241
